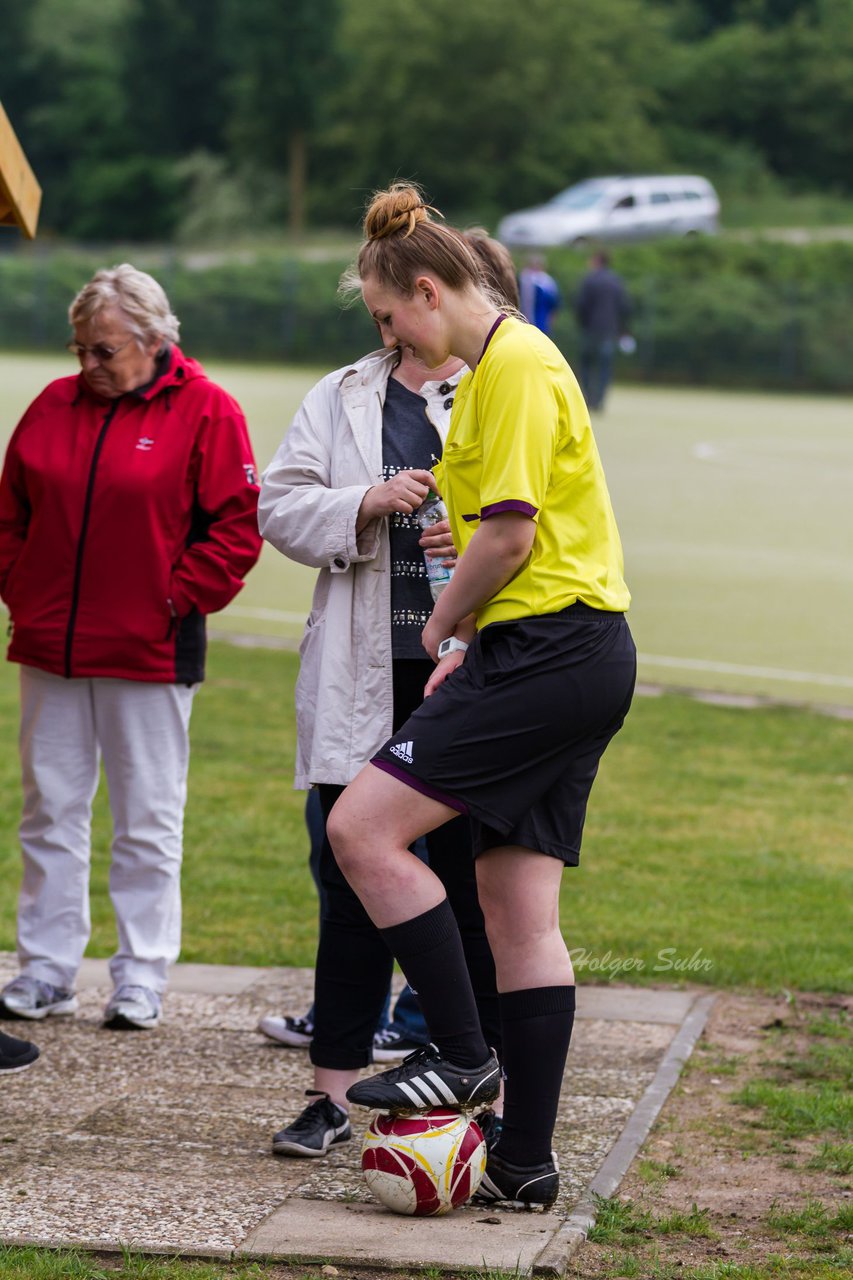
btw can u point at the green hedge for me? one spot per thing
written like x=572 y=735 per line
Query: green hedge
x=272 y=308
x=706 y=311
x=726 y=313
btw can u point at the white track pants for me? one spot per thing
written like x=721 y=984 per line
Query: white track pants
x=142 y=733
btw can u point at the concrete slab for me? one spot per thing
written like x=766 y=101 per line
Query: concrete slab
x=610 y=1003
x=367 y=1235
x=161 y=1140
x=634 y=1004
x=204 y=979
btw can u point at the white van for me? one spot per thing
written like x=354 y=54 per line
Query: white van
x=616 y=209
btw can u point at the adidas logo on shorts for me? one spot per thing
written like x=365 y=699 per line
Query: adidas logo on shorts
x=403 y=751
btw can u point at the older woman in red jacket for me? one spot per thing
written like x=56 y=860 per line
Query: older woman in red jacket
x=127 y=513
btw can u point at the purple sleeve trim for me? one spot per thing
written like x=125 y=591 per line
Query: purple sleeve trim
x=495 y=508
x=471 y=519
x=418 y=785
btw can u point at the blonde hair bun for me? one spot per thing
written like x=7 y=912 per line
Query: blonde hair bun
x=396 y=211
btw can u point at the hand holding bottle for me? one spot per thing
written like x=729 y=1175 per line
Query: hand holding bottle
x=438 y=541
x=401 y=494
x=432 y=515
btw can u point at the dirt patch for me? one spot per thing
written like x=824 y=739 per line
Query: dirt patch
x=712 y=1163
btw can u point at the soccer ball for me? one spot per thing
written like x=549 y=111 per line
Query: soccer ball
x=423 y=1165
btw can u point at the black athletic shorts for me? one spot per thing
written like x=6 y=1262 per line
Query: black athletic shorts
x=514 y=736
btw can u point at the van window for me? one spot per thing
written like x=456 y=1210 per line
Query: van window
x=582 y=196
x=627 y=202
x=660 y=197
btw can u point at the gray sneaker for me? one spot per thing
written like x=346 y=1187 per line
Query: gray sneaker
x=321 y=1125
x=26 y=997
x=132 y=1008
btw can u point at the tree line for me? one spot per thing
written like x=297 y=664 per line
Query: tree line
x=146 y=120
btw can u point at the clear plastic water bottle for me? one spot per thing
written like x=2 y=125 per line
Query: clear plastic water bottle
x=431 y=511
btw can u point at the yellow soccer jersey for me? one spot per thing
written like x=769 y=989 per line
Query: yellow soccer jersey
x=520 y=439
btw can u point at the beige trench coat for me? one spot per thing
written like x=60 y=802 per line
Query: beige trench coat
x=309 y=501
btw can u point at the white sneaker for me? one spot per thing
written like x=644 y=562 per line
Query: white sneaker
x=296 y=1033
x=26 y=997
x=132 y=1007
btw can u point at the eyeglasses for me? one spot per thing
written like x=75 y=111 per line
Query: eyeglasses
x=102 y=354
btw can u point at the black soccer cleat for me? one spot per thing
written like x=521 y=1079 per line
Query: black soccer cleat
x=513 y=1186
x=321 y=1125
x=15 y=1054
x=425 y=1080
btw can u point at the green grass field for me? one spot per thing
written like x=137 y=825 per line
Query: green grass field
x=735 y=515
x=716 y=849
x=718 y=840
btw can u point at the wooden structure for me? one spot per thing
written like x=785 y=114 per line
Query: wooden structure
x=20 y=193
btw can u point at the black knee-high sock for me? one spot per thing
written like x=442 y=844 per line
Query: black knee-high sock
x=429 y=950
x=537 y=1029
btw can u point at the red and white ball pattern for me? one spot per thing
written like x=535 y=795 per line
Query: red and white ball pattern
x=423 y=1165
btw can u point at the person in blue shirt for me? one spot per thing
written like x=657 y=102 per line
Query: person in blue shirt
x=540 y=294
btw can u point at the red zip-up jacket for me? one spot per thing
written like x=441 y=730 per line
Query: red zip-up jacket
x=123 y=522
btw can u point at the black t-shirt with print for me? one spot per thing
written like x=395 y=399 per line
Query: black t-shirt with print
x=409 y=441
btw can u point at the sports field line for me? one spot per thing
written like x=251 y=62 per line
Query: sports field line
x=650 y=659
x=736 y=669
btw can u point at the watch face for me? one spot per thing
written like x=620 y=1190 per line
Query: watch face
x=450 y=645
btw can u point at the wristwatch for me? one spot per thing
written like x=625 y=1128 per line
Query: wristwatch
x=451 y=645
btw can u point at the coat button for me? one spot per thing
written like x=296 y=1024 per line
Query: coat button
x=448 y=404
x=444 y=388
x=339 y=563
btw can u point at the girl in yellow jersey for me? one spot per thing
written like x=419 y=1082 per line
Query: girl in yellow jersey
x=534 y=674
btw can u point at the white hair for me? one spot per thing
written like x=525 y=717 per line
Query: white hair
x=138 y=296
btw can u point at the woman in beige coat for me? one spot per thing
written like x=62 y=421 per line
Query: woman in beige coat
x=339 y=496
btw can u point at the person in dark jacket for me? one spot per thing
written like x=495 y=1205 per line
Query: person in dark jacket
x=602 y=309
x=128 y=511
